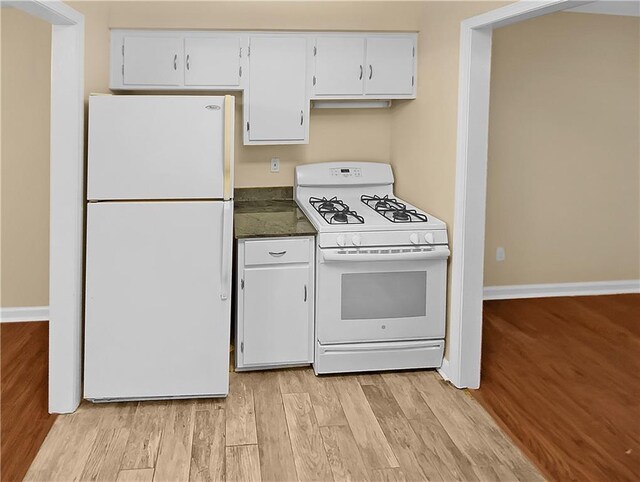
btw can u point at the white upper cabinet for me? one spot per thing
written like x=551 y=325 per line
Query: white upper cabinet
x=279 y=73
x=339 y=65
x=152 y=61
x=212 y=61
x=277 y=105
x=365 y=67
x=390 y=66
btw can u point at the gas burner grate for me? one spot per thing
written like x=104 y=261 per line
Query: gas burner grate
x=335 y=211
x=393 y=210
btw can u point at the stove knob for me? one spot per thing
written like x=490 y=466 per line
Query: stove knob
x=340 y=240
x=428 y=238
x=414 y=238
x=356 y=240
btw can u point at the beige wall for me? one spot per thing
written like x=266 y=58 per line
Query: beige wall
x=564 y=160
x=418 y=136
x=423 y=131
x=24 y=173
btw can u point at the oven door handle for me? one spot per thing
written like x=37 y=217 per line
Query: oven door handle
x=356 y=255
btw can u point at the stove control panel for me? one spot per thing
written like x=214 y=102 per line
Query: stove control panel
x=383 y=238
x=346 y=172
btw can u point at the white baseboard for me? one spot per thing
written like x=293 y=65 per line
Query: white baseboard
x=444 y=370
x=561 y=289
x=24 y=313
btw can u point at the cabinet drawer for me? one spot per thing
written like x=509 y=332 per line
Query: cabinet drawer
x=276 y=251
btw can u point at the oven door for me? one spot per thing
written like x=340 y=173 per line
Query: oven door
x=383 y=294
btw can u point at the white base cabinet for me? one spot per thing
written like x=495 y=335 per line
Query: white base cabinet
x=275 y=302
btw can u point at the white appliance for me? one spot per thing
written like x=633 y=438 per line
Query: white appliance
x=158 y=247
x=381 y=269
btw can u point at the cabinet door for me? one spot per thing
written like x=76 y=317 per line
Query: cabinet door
x=278 y=106
x=212 y=61
x=389 y=67
x=339 y=66
x=153 y=61
x=276 y=315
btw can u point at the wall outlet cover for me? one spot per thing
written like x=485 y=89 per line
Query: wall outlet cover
x=275 y=164
x=500 y=254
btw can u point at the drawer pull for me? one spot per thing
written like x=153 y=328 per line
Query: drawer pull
x=277 y=254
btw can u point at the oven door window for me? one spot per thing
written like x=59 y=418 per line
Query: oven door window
x=375 y=296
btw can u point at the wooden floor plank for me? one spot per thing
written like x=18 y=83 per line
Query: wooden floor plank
x=106 y=454
x=144 y=439
x=374 y=447
x=293 y=380
x=324 y=398
x=65 y=457
x=406 y=445
x=274 y=444
x=240 y=411
x=135 y=475
x=208 y=450
x=243 y=463
x=24 y=364
x=174 y=454
x=389 y=475
x=451 y=463
x=306 y=442
x=343 y=454
x=561 y=357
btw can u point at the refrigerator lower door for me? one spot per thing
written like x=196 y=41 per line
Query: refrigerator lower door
x=156 y=324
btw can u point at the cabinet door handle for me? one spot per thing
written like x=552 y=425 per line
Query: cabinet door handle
x=188 y=57
x=361 y=71
x=175 y=62
x=301 y=117
x=277 y=254
x=305 y=293
x=370 y=71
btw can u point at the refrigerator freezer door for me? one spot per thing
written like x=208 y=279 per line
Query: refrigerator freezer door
x=156 y=147
x=156 y=325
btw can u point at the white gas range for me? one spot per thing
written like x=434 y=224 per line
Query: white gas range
x=381 y=268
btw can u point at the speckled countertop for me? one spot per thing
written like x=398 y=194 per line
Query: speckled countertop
x=268 y=213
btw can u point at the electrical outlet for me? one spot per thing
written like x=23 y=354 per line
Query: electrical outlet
x=275 y=164
x=500 y=254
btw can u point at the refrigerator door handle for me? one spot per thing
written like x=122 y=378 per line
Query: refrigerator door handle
x=229 y=115
x=225 y=265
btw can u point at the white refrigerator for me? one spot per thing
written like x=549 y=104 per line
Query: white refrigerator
x=158 y=247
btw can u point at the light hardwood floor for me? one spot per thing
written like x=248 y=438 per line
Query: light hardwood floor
x=288 y=425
